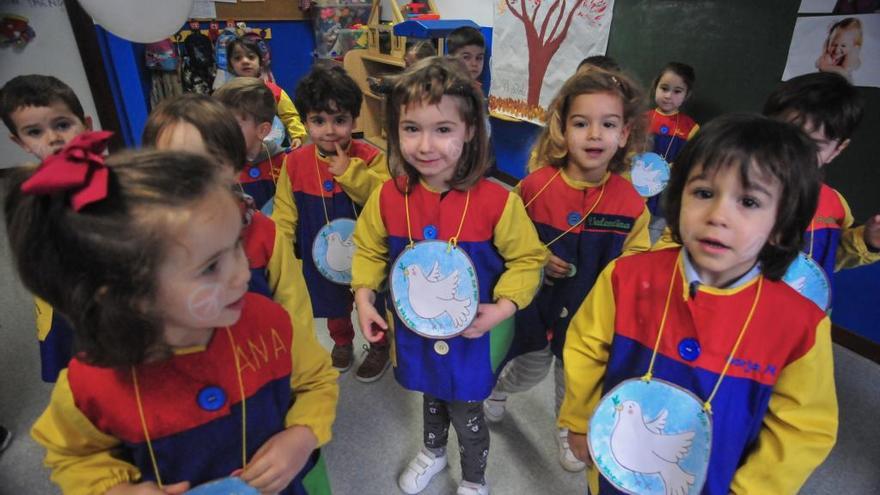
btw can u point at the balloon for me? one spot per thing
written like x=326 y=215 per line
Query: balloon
x=138 y=20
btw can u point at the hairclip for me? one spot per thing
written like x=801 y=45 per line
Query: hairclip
x=78 y=168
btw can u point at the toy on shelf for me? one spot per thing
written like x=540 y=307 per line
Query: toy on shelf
x=337 y=26
x=382 y=40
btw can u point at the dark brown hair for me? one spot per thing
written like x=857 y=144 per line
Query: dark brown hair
x=246 y=44
x=774 y=148
x=35 y=90
x=328 y=88
x=684 y=71
x=217 y=125
x=425 y=83
x=248 y=96
x=98 y=267
x=462 y=37
x=551 y=148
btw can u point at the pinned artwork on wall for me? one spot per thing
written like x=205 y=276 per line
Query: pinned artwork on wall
x=558 y=35
x=15 y=31
x=846 y=45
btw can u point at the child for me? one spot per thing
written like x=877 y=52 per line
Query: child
x=436 y=137
x=145 y=258
x=199 y=123
x=706 y=317
x=841 y=50
x=828 y=109
x=467 y=44
x=251 y=103
x=43 y=114
x=670 y=128
x=417 y=50
x=322 y=182
x=585 y=212
x=245 y=61
x=600 y=61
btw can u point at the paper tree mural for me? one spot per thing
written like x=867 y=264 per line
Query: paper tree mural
x=558 y=34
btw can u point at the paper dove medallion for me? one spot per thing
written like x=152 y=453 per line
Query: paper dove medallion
x=651 y=438
x=332 y=250
x=434 y=289
x=650 y=174
x=808 y=278
x=224 y=486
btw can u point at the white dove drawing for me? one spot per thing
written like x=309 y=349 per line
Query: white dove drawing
x=432 y=296
x=644 y=176
x=339 y=252
x=643 y=448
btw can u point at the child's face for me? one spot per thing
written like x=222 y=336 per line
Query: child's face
x=432 y=138
x=723 y=224
x=840 y=44
x=327 y=130
x=594 y=131
x=827 y=149
x=245 y=63
x=183 y=136
x=671 y=92
x=43 y=131
x=472 y=56
x=253 y=132
x=204 y=276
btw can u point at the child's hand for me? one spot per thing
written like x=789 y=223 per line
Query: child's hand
x=338 y=164
x=295 y=143
x=148 y=488
x=577 y=442
x=557 y=267
x=872 y=232
x=368 y=316
x=489 y=315
x=280 y=459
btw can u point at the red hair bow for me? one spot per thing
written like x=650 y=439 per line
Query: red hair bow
x=78 y=168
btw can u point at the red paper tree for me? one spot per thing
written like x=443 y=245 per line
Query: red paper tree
x=544 y=37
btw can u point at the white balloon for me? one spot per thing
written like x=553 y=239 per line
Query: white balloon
x=139 y=20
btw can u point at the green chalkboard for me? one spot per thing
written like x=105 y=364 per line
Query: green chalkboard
x=738 y=49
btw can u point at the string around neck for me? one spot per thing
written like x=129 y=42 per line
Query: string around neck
x=453 y=241
x=671 y=136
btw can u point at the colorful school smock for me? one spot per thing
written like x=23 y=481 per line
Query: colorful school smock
x=670 y=133
x=286 y=111
x=275 y=271
x=192 y=408
x=617 y=224
x=306 y=191
x=830 y=229
x=258 y=178
x=502 y=243
x=775 y=413
x=55 y=336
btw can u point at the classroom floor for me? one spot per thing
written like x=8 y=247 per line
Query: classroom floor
x=378 y=425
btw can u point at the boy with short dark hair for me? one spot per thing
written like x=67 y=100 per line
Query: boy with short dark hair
x=328 y=180
x=43 y=114
x=828 y=108
x=467 y=44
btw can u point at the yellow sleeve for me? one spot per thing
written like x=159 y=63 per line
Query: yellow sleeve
x=284 y=211
x=586 y=351
x=287 y=113
x=43 y=318
x=313 y=381
x=639 y=238
x=288 y=286
x=852 y=250
x=664 y=241
x=79 y=455
x=800 y=426
x=524 y=255
x=360 y=179
x=694 y=130
x=369 y=266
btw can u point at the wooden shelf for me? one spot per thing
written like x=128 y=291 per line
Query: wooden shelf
x=385 y=59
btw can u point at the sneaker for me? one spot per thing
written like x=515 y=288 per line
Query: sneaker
x=420 y=471
x=342 y=356
x=468 y=488
x=375 y=363
x=5 y=438
x=566 y=456
x=495 y=406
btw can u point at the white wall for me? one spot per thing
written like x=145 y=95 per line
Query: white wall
x=479 y=11
x=52 y=52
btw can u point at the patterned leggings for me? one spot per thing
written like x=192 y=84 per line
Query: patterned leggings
x=470 y=426
x=527 y=370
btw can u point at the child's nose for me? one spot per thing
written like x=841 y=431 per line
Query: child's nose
x=718 y=213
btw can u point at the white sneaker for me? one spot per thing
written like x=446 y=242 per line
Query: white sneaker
x=420 y=471
x=468 y=488
x=566 y=456
x=495 y=406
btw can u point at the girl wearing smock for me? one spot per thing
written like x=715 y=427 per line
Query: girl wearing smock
x=437 y=139
x=184 y=377
x=682 y=374
x=669 y=127
x=585 y=213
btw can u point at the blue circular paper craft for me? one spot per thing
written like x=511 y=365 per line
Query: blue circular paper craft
x=809 y=279
x=645 y=435
x=650 y=174
x=224 y=486
x=434 y=289
x=277 y=134
x=332 y=250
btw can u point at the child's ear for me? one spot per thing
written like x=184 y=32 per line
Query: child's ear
x=263 y=129
x=470 y=133
x=87 y=123
x=624 y=135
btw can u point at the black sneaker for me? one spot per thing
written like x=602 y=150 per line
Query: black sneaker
x=342 y=357
x=375 y=363
x=5 y=438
